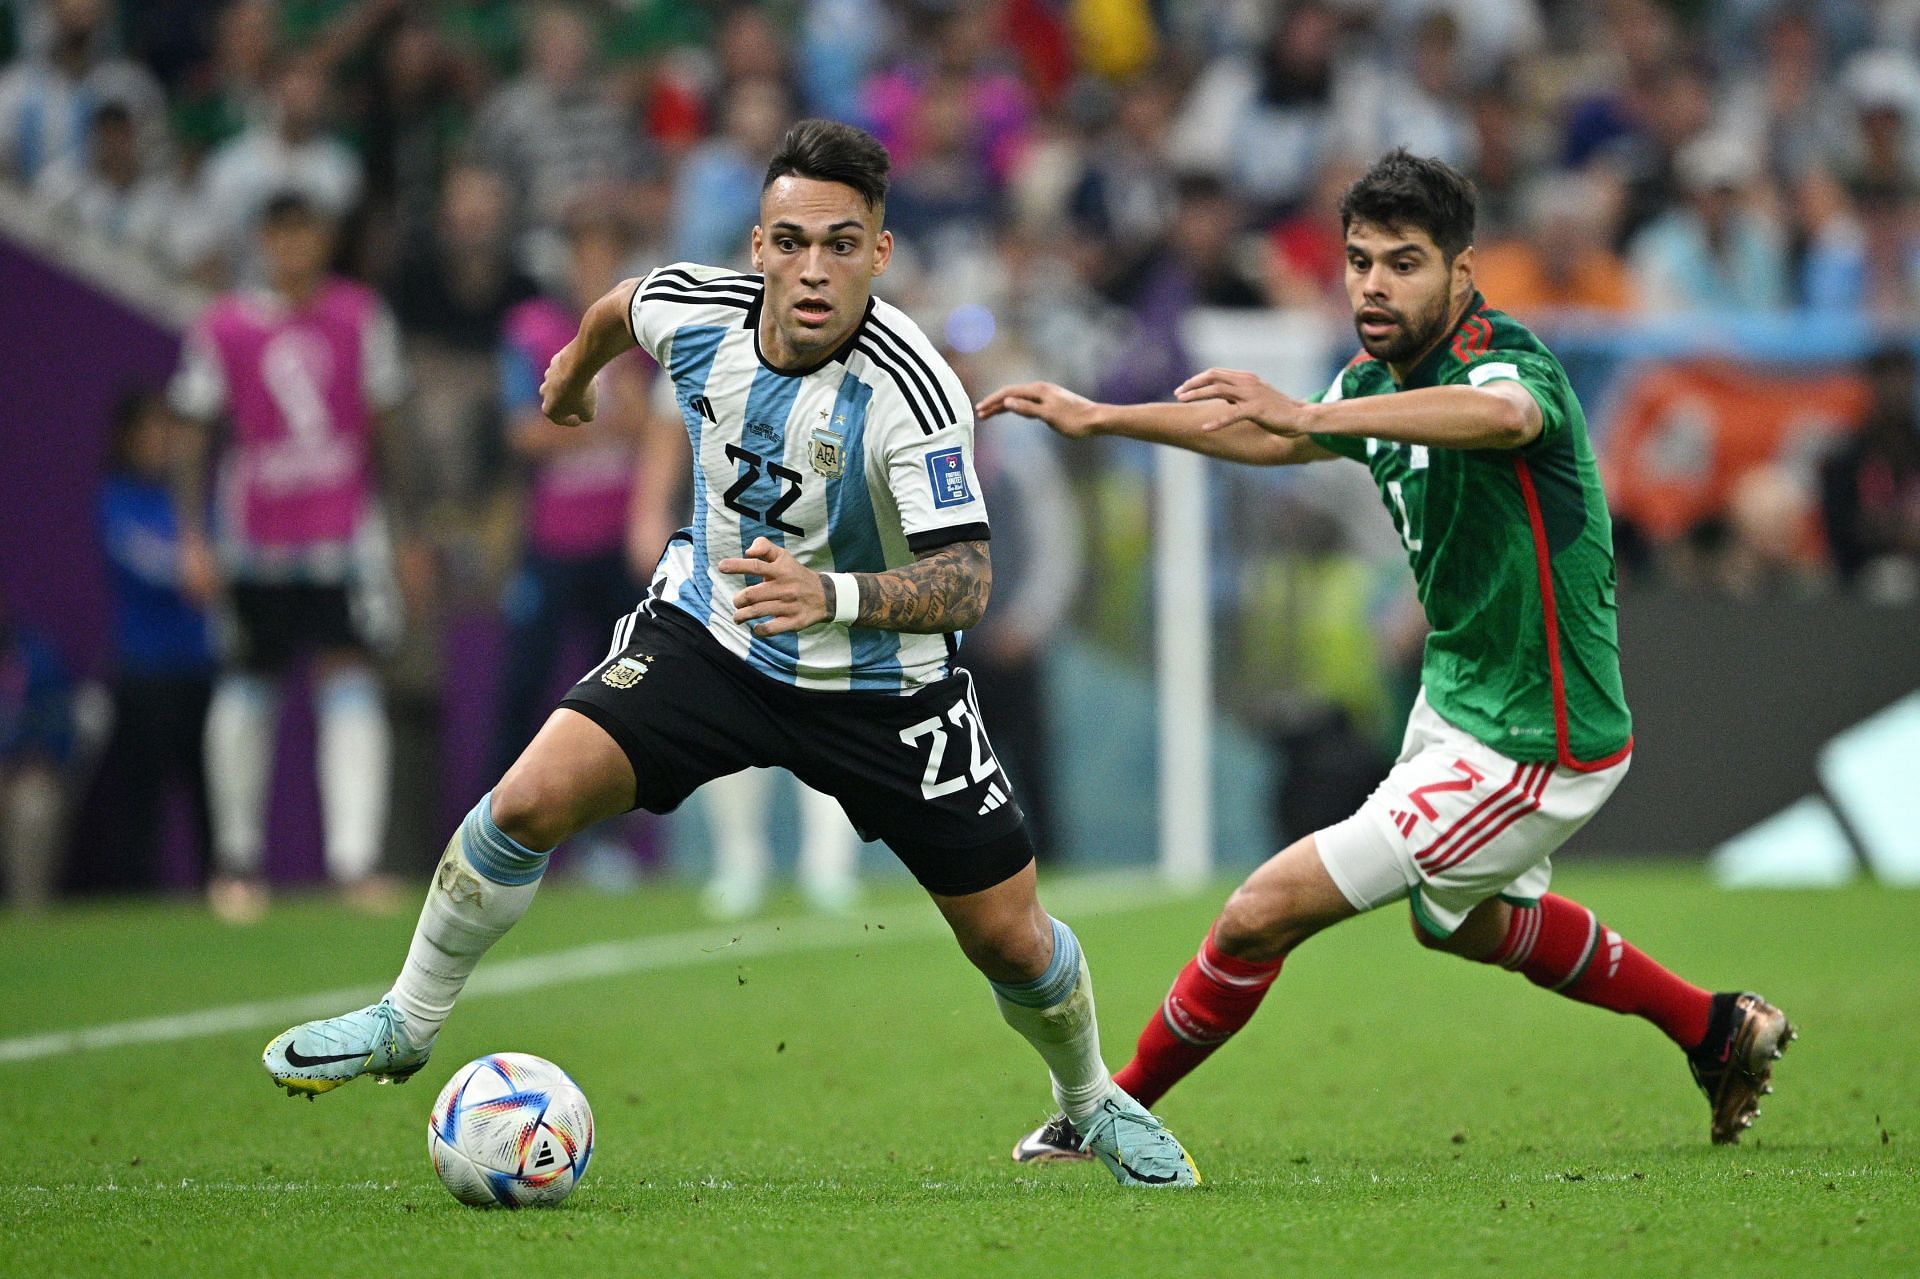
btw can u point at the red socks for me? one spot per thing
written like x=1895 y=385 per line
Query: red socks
x=1560 y=945
x=1213 y=997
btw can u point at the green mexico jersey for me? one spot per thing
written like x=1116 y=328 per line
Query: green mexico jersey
x=1512 y=551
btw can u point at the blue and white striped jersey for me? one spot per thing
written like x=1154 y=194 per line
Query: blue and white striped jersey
x=855 y=466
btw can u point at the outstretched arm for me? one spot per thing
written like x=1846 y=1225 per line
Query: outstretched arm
x=567 y=394
x=1498 y=415
x=944 y=590
x=1184 y=426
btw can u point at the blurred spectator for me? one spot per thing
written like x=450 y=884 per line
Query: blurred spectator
x=1788 y=111
x=749 y=46
x=1870 y=485
x=1721 y=250
x=1506 y=157
x=1766 y=553
x=36 y=740
x=839 y=42
x=1565 y=260
x=1638 y=41
x=48 y=101
x=1884 y=85
x=112 y=192
x=960 y=51
x=456 y=282
x=416 y=117
x=292 y=152
x=1488 y=34
x=163 y=663
x=232 y=89
x=598 y=498
x=948 y=191
x=1125 y=193
x=1199 y=261
x=1306 y=250
x=1832 y=274
x=1418 y=103
x=717 y=198
x=1270 y=122
x=306 y=376
x=1196 y=264
x=554 y=131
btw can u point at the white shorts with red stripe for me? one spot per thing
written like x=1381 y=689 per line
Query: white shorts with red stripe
x=1457 y=822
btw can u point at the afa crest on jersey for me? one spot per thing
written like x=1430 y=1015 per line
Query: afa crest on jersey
x=827 y=453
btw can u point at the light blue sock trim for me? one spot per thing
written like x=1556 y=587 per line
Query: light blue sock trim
x=1054 y=985
x=496 y=854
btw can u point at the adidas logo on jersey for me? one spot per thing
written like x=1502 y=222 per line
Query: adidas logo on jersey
x=995 y=798
x=704 y=407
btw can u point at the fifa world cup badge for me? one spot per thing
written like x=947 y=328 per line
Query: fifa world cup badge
x=626 y=672
x=826 y=453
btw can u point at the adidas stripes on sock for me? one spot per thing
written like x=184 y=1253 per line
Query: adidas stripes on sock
x=1212 y=998
x=1563 y=946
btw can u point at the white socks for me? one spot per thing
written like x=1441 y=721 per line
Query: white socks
x=737 y=811
x=743 y=858
x=485 y=881
x=829 y=851
x=355 y=755
x=240 y=732
x=1055 y=1014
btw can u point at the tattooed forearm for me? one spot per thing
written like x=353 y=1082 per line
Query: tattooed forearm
x=944 y=590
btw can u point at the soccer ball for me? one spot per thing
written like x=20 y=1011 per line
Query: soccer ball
x=510 y=1130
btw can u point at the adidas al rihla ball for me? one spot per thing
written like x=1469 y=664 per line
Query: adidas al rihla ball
x=510 y=1130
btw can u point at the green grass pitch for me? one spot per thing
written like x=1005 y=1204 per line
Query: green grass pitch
x=839 y=1098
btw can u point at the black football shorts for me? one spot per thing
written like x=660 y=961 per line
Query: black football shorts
x=916 y=772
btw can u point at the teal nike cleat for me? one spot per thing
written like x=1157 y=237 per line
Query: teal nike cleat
x=318 y=1056
x=1135 y=1146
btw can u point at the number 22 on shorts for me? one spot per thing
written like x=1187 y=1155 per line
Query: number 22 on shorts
x=982 y=766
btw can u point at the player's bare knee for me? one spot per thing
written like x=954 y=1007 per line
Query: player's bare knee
x=1010 y=950
x=1253 y=926
x=531 y=808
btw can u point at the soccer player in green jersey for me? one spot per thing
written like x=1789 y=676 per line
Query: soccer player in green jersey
x=1521 y=731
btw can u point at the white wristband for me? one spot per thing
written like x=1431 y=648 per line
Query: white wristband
x=846 y=597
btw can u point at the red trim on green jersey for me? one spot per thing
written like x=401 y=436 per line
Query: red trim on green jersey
x=1543 y=560
x=1474 y=336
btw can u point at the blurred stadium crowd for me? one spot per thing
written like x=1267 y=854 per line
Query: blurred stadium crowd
x=1080 y=185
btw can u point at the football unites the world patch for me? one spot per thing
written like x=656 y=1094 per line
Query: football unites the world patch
x=948 y=471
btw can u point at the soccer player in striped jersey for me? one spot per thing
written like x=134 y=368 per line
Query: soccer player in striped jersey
x=1480 y=452
x=807 y=619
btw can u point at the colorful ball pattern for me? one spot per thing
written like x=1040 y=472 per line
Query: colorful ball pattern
x=510 y=1130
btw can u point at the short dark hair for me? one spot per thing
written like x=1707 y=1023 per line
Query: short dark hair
x=1411 y=192
x=828 y=151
